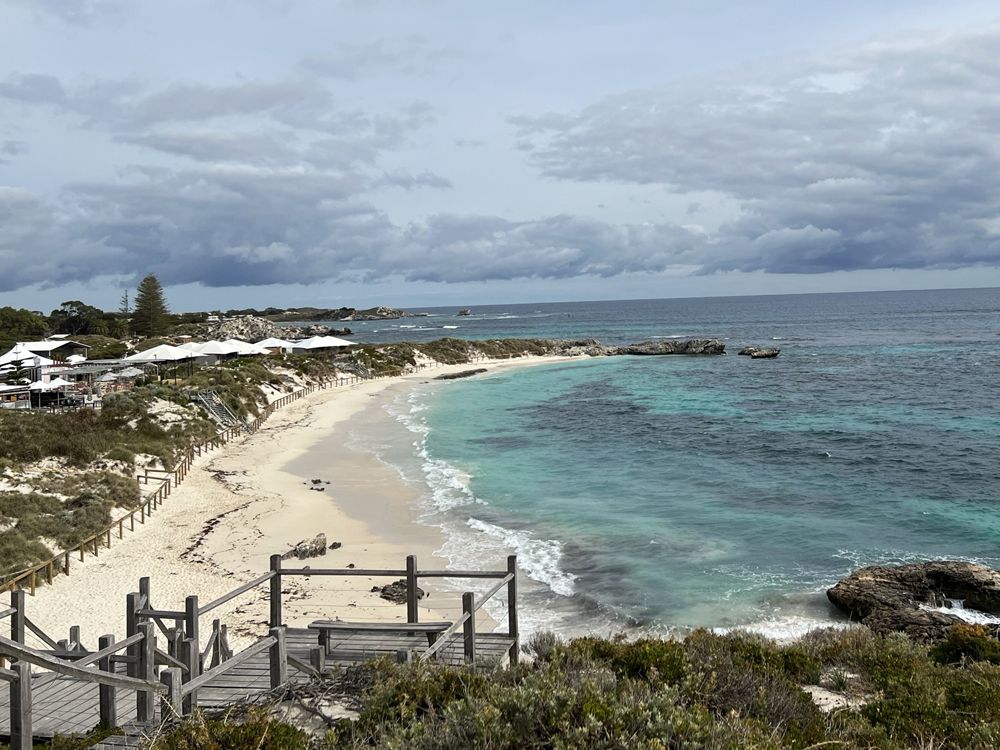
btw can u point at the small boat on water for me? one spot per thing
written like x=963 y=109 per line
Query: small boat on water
x=465 y=311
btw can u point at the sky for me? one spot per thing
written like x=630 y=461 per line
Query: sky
x=253 y=153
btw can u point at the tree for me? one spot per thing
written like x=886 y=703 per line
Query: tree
x=76 y=318
x=20 y=325
x=150 y=316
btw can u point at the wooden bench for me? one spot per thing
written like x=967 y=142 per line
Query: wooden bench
x=327 y=628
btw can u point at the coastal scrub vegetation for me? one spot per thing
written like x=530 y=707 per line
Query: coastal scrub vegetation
x=721 y=692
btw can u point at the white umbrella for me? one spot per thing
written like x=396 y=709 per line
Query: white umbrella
x=58 y=383
x=38 y=385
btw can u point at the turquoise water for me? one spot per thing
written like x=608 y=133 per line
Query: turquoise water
x=673 y=492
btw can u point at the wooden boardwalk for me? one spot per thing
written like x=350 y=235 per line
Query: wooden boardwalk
x=62 y=693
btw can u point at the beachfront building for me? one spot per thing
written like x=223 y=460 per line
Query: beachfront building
x=55 y=348
x=321 y=343
x=276 y=344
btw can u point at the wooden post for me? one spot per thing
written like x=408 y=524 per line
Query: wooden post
x=20 y=707
x=33 y=586
x=216 y=644
x=190 y=657
x=121 y=530
x=145 y=591
x=469 y=608
x=66 y=562
x=317 y=657
x=191 y=631
x=106 y=694
x=512 y=628
x=48 y=572
x=278 y=658
x=17 y=619
x=275 y=594
x=411 y=589
x=146 y=671
x=131 y=628
x=171 y=703
x=74 y=638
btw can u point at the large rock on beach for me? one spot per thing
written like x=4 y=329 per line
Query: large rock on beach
x=672 y=346
x=395 y=592
x=888 y=598
x=307 y=548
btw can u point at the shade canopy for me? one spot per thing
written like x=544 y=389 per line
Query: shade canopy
x=162 y=353
x=58 y=383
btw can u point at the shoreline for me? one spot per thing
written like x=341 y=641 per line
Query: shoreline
x=250 y=500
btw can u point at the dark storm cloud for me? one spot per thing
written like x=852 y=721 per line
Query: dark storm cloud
x=883 y=158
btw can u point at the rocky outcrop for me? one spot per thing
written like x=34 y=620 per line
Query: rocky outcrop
x=671 y=346
x=395 y=592
x=462 y=374
x=888 y=598
x=759 y=352
x=244 y=328
x=315 y=547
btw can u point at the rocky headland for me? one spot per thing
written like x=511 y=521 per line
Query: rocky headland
x=895 y=598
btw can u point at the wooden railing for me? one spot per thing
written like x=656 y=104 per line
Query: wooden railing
x=470 y=605
x=166 y=480
x=176 y=687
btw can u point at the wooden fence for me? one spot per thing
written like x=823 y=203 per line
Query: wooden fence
x=184 y=663
x=166 y=481
x=43 y=573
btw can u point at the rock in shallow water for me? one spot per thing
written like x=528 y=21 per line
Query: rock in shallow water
x=887 y=598
x=672 y=346
x=759 y=352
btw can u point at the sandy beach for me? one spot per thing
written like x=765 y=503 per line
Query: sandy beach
x=244 y=503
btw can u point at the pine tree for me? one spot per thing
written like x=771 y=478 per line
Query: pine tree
x=150 y=314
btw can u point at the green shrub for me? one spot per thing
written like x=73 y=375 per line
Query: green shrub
x=967 y=643
x=258 y=731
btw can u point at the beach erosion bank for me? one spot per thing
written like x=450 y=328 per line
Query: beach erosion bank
x=256 y=497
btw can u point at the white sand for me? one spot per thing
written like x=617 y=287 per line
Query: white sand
x=238 y=506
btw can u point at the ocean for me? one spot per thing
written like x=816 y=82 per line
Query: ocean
x=665 y=493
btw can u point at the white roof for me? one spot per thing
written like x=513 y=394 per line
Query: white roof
x=8 y=388
x=75 y=359
x=161 y=353
x=273 y=343
x=20 y=353
x=48 y=346
x=321 y=342
x=129 y=372
x=242 y=347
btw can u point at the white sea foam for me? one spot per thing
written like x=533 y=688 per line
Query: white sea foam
x=539 y=558
x=969 y=615
x=785 y=629
x=473 y=540
x=449 y=326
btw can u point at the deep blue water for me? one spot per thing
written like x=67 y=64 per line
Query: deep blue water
x=684 y=491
